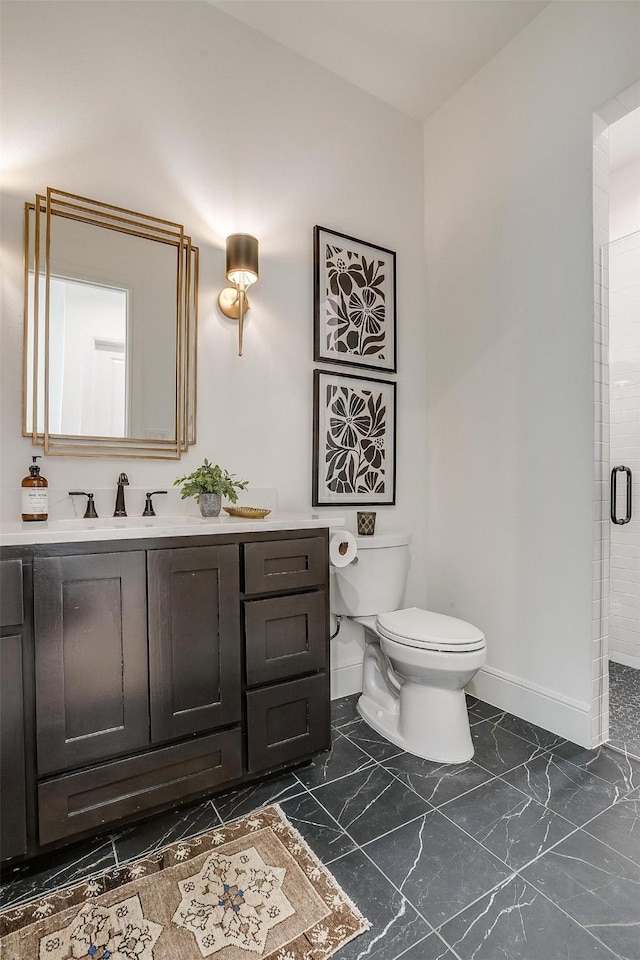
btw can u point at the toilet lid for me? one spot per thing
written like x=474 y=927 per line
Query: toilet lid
x=422 y=628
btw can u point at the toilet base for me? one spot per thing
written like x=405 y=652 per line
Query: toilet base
x=428 y=723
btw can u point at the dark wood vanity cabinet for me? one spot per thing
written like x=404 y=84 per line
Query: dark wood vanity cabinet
x=163 y=670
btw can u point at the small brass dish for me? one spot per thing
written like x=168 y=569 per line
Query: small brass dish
x=249 y=513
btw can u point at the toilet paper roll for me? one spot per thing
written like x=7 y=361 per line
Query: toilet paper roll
x=342 y=548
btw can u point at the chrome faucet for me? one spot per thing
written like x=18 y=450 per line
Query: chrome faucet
x=120 y=509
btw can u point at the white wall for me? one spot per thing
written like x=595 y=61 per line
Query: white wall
x=624 y=200
x=177 y=110
x=508 y=215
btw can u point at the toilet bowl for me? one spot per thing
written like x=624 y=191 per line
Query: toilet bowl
x=416 y=663
x=413 y=682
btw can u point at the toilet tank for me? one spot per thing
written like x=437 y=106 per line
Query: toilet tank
x=375 y=582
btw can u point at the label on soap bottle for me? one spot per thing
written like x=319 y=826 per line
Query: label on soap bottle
x=35 y=500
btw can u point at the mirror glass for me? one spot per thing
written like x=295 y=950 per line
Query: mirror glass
x=110 y=330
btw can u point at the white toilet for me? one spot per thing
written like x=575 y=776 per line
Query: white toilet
x=416 y=663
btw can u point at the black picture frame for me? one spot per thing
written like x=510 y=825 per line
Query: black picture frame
x=354 y=302
x=354 y=440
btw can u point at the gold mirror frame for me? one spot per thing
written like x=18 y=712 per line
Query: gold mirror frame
x=38 y=219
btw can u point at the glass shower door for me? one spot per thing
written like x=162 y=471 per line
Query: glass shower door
x=624 y=380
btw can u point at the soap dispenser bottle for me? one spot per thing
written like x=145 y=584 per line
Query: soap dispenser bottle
x=35 y=494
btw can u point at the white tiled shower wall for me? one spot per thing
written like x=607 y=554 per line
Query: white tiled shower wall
x=624 y=367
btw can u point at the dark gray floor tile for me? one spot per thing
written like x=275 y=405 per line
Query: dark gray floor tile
x=395 y=924
x=596 y=886
x=236 y=803
x=514 y=827
x=607 y=764
x=369 y=803
x=343 y=758
x=518 y=923
x=436 y=782
x=566 y=789
x=144 y=838
x=529 y=731
x=368 y=740
x=471 y=700
x=484 y=711
x=344 y=710
x=432 y=948
x=53 y=870
x=619 y=827
x=498 y=750
x=435 y=865
x=327 y=840
x=629 y=748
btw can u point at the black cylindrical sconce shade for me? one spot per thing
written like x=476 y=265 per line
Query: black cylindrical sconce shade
x=242 y=257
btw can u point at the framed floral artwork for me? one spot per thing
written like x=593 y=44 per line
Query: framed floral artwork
x=354 y=301
x=354 y=448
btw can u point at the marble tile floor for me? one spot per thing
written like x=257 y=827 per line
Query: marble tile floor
x=624 y=708
x=531 y=851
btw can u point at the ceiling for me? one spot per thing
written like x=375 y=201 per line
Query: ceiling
x=412 y=54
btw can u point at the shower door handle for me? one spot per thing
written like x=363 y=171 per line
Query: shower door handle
x=614 y=475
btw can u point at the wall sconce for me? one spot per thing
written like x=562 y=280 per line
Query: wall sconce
x=242 y=271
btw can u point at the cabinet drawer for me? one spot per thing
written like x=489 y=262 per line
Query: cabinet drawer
x=287 y=722
x=11 y=602
x=88 y=799
x=281 y=565
x=285 y=636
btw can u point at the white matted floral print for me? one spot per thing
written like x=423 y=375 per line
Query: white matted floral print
x=354 y=301
x=354 y=451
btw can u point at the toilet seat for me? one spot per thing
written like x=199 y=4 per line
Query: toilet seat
x=426 y=630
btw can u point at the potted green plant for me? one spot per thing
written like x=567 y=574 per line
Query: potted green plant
x=209 y=484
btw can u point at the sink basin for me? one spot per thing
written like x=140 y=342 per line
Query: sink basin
x=125 y=523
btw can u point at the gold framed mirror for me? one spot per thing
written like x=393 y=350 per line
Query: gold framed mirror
x=110 y=330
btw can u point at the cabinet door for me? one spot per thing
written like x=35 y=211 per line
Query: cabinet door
x=13 y=832
x=11 y=599
x=194 y=640
x=92 y=699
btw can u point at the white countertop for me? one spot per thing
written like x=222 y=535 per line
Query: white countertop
x=136 y=528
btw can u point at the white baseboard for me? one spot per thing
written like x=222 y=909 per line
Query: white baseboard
x=562 y=716
x=547 y=709
x=346 y=680
x=625 y=658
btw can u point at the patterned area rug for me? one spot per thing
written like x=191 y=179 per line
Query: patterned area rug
x=250 y=889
